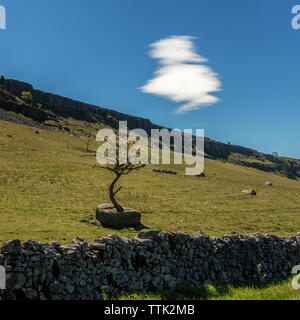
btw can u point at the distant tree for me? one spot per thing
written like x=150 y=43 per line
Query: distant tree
x=87 y=149
x=39 y=106
x=2 y=78
x=27 y=96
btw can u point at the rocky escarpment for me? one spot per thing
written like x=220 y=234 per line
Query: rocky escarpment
x=64 y=107
x=9 y=102
x=153 y=261
x=19 y=119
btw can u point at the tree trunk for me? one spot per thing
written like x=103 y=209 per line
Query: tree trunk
x=112 y=194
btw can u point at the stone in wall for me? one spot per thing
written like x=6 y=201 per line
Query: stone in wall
x=153 y=261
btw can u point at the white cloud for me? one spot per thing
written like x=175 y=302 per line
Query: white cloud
x=182 y=77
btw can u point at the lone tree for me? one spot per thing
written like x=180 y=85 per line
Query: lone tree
x=88 y=142
x=119 y=170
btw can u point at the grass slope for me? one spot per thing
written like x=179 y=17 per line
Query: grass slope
x=49 y=192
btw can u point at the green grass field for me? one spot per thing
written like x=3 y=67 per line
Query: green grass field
x=49 y=192
x=48 y=187
x=278 y=291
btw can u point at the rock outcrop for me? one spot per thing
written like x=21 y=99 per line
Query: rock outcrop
x=268 y=184
x=165 y=171
x=109 y=217
x=65 y=107
x=250 y=192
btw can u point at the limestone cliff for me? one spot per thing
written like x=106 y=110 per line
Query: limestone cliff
x=11 y=91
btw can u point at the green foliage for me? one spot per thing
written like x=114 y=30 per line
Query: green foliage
x=39 y=106
x=27 y=97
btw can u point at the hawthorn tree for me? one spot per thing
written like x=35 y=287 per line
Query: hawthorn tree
x=119 y=170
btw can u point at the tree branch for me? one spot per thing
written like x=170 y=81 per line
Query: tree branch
x=118 y=190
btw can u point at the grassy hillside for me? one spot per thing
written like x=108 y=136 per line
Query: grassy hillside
x=49 y=192
x=50 y=110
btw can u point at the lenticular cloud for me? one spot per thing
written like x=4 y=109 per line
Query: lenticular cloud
x=182 y=76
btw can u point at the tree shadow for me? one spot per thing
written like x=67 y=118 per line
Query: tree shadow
x=205 y=292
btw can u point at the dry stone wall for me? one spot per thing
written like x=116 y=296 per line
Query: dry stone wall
x=151 y=261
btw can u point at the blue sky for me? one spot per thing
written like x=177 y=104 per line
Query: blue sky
x=97 y=51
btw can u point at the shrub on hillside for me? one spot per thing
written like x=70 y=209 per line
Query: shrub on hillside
x=27 y=96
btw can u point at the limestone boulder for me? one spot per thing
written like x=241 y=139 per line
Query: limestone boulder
x=110 y=217
x=250 y=192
